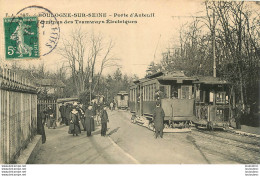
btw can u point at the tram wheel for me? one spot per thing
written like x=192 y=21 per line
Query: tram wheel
x=196 y=126
x=210 y=126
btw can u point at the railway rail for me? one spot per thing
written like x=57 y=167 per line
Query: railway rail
x=232 y=146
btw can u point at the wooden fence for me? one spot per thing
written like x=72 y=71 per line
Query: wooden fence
x=18 y=114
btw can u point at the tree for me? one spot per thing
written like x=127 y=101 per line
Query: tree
x=81 y=52
x=230 y=28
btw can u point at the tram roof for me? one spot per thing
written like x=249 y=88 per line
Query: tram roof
x=122 y=93
x=141 y=80
x=210 y=80
x=178 y=76
x=173 y=78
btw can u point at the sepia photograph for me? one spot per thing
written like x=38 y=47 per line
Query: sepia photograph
x=129 y=82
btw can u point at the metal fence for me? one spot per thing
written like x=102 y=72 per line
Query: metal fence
x=18 y=110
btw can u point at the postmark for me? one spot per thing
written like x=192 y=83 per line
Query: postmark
x=21 y=37
x=49 y=29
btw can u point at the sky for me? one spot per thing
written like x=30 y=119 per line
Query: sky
x=136 y=45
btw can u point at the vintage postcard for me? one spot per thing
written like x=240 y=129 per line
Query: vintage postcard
x=130 y=82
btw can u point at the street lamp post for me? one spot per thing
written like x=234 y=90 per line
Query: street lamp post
x=90 y=81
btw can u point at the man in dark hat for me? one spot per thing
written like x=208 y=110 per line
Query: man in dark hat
x=239 y=112
x=62 y=110
x=158 y=118
x=104 y=120
x=88 y=121
x=68 y=109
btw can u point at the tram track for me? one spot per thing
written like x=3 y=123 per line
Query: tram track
x=233 y=137
x=227 y=137
x=250 y=146
x=228 y=147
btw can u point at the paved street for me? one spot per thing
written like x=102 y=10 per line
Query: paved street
x=129 y=143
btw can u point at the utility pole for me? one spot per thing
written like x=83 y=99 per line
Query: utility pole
x=213 y=35
x=214 y=45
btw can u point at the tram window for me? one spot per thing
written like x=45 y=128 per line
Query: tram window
x=186 y=92
x=202 y=96
x=144 y=93
x=149 y=93
x=227 y=100
x=174 y=91
x=154 y=90
x=167 y=91
x=211 y=95
x=162 y=90
x=220 y=97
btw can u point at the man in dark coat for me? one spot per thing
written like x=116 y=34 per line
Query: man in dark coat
x=158 y=118
x=62 y=110
x=68 y=109
x=104 y=120
x=40 y=125
x=239 y=112
x=51 y=117
x=88 y=117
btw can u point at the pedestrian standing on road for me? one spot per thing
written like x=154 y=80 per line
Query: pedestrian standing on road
x=94 y=109
x=68 y=110
x=98 y=114
x=41 y=125
x=82 y=117
x=88 y=117
x=51 y=118
x=239 y=112
x=104 y=120
x=111 y=106
x=74 y=127
x=62 y=110
x=92 y=121
x=158 y=118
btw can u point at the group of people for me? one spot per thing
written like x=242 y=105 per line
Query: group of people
x=80 y=118
x=49 y=118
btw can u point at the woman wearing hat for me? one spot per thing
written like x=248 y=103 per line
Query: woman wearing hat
x=51 y=121
x=74 y=121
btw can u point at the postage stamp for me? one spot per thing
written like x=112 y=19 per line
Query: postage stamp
x=48 y=27
x=21 y=37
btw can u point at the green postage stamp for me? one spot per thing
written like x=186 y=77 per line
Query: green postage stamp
x=21 y=37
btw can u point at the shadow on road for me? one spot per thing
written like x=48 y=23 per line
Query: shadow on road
x=192 y=140
x=113 y=131
x=96 y=132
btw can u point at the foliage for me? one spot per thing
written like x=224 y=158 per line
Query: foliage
x=230 y=28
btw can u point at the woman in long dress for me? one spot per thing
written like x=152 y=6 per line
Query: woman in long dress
x=74 y=122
